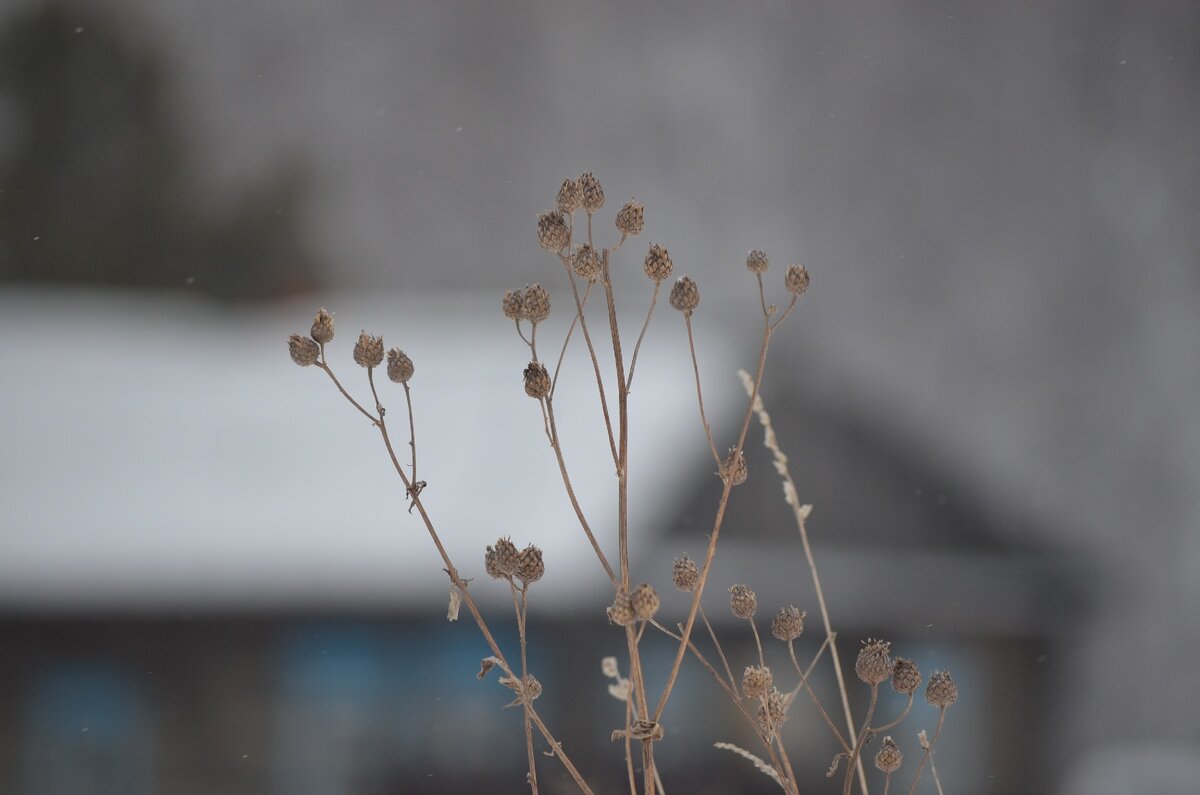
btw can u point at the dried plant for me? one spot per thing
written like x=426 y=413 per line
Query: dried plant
x=758 y=698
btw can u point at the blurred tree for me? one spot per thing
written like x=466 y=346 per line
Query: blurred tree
x=94 y=180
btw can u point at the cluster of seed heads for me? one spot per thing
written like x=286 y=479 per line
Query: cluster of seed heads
x=638 y=605
x=503 y=561
x=774 y=709
x=742 y=601
x=368 y=349
x=685 y=574
x=532 y=304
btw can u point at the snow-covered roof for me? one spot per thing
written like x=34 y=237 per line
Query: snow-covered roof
x=164 y=453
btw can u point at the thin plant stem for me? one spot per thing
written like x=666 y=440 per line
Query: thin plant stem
x=816 y=701
x=412 y=430
x=936 y=780
x=587 y=338
x=717 y=523
x=629 y=741
x=566 y=340
x=712 y=446
x=730 y=691
x=455 y=579
x=520 y=607
x=345 y=394
x=762 y=660
x=717 y=645
x=762 y=296
x=642 y=336
x=887 y=782
x=928 y=750
x=556 y=445
x=893 y=724
x=800 y=514
x=863 y=734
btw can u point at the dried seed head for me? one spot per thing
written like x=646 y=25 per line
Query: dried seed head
x=756 y=681
x=587 y=263
x=644 y=601
x=593 y=194
x=733 y=468
x=788 y=623
x=570 y=198
x=531 y=686
x=889 y=757
x=773 y=708
x=685 y=295
x=685 y=574
x=368 y=351
x=906 y=677
x=303 y=350
x=874 y=663
x=537 y=303
x=322 y=327
x=507 y=557
x=491 y=564
x=514 y=304
x=537 y=380
x=621 y=611
x=631 y=218
x=658 y=265
x=742 y=601
x=552 y=231
x=756 y=262
x=530 y=566
x=796 y=279
x=400 y=367
x=941 y=691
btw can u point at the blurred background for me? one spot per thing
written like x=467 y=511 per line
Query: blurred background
x=210 y=584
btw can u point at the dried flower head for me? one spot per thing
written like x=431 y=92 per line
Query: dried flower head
x=552 y=231
x=530 y=566
x=322 y=327
x=889 y=757
x=788 y=623
x=587 y=263
x=774 y=709
x=742 y=601
x=537 y=380
x=631 y=218
x=593 y=194
x=658 y=265
x=874 y=663
x=621 y=611
x=514 y=304
x=906 y=677
x=941 y=691
x=303 y=350
x=532 y=687
x=537 y=303
x=685 y=295
x=686 y=574
x=502 y=560
x=796 y=279
x=368 y=351
x=644 y=600
x=400 y=367
x=756 y=681
x=570 y=198
x=733 y=468
x=756 y=261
